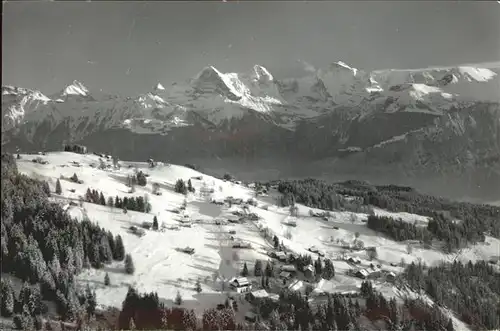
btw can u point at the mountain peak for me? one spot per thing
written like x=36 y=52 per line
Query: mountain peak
x=76 y=88
x=342 y=66
x=159 y=87
x=262 y=74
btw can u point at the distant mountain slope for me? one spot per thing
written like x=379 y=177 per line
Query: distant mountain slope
x=414 y=125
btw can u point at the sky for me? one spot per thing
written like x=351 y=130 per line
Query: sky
x=128 y=47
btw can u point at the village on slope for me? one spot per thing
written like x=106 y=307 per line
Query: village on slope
x=199 y=241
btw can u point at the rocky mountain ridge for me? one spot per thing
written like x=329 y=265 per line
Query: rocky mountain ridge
x=391 y=125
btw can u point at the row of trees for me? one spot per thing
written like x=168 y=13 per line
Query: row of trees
x=183 y=188
x=27 y=308
x=472 y=290
x=453 y=235
x=42 y=245
x=138 y=179
x=75 y=148
x=140 y=204
x=291 y=312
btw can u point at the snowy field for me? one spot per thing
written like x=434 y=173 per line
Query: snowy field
x=160 y=267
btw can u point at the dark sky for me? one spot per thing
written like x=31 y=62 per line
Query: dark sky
x=131 y=46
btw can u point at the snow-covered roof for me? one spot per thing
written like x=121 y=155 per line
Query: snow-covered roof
x=296 y=285
x=281 y=254
x=288 y=267
x=274 y=296
x=241 y=281
x=285 y=274
x=260 y=294
x=363 y=272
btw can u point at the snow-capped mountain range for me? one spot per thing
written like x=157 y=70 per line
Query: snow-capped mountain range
x=338 y=112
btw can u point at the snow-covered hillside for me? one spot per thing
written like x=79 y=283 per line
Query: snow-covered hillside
x=162 y=268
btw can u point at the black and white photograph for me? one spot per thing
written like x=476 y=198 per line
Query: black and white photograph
x=250 y=165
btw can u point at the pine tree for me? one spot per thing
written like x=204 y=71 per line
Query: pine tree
x=58 y=186
x=102 y=200
x=178 y=299
x=88 y=195
x=110 y=202
x=129 y=264
x=269 y=270
x=107 y=281
x=180 y=187
x=190 y=186
x=197 y=287
x=118 y=203
x=7 y=299
x=155 y=223
x=119 y=252
x=258 y=268
x=276 y=242
x=449 y=326
x=244 y=273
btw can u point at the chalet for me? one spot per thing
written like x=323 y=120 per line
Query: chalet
x=290 y=223
x=313 y=249
x=259 y=294
x=147 y=225
x=187 y=250
x=373 y=272
x=135 y=230
x=232 y=232
x=186 y=225
x=296 y=285
x=252 y=202
x=391 y=276
x=362 y=273
x=355 y=260
x=240 y=285
x=220 y=222
x=289 y=268
x=274 y=296
x=309 y=271
x=281 y=256
x=218 y=201
x=253 y=217
x=242 y=245
x=232 y=219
